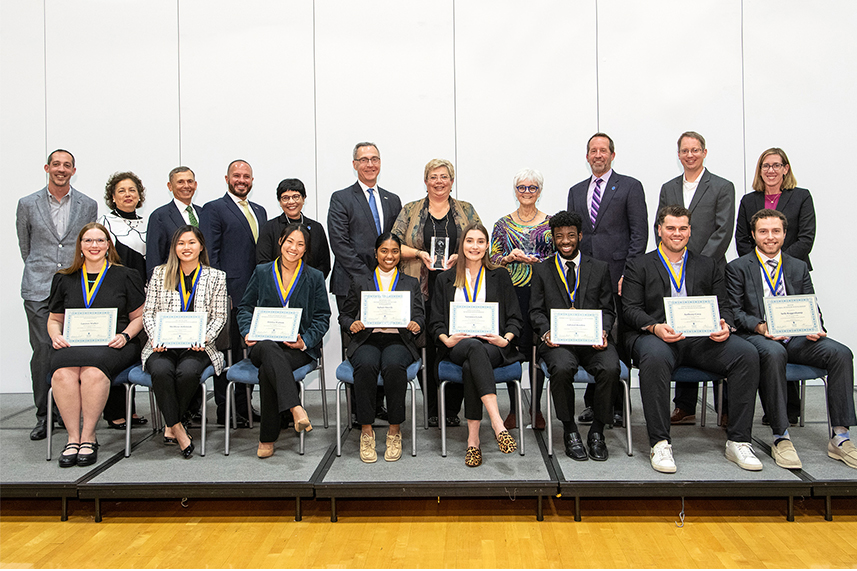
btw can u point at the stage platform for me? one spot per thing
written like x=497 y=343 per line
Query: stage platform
x=157 y=471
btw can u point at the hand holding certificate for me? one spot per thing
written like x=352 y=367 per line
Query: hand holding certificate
x=83 y=327
x=180 y=329
x=385 y=308
x=275 y=323
x=576 y=327
x=474 y=318
x=693 y=316
x=792 y=315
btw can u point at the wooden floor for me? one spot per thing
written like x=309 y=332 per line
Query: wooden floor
x=454 y=532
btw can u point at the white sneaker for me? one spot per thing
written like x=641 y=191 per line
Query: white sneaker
x=742 y=454
x=662 y=457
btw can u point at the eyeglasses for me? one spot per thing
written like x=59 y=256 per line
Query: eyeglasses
x=291 y=198
x=443 y=177
x=90 y=241
x=694 y=151
x=772 y=166
x=532 y=189
x=368 y=160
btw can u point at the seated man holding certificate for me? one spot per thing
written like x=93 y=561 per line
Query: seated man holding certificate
x=673 y=274
x=287 y=282
x=475 y=280
x=767 y=276
x=561 y=286
x=388 y=348
x=185 y=294
x=91 y=346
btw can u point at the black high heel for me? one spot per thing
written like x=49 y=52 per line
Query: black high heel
x=188 y=452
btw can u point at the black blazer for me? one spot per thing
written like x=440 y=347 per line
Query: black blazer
x=647 y=283
x=548 y=292
x=796 y=205
x=268 y=246
x=499 y=288
x=746 y=291
x=351 y=312
x=621 y=230
x=229 y=241
x=353 y=233
x=163 y=223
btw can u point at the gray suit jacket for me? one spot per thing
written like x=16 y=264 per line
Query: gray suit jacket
x=712 y=214
x=42 y=249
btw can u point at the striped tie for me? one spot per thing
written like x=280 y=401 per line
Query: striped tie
x=781 y=289
x=596 y=201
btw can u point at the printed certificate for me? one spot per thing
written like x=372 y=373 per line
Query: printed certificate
x=474 y=318
x=89 y=326
x=385 y=308
x=792 y=315
x=275 y=324
x=180 y=329
x=693 y=316
x=576 y=326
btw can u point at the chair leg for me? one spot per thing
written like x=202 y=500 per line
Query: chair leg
x=249 y=392
x=230 y=390
x=720 y=401
x=339 y=387
x=50 y=420
x=413 y=385
x=303 y=432
x=129 y=397
x=803 y=400
x=533 y=402
x=442 y=420
x=826 y=408
x=520 y=416
x=549 y=419
x=204 y=418
x=323 y=384
x=627 y=400
x=704 y=403
x=424 y=387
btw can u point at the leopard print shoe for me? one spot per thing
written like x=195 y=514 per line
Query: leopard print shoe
x=506 y=443
x=473 y=458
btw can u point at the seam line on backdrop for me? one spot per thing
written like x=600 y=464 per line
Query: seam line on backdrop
x=179 y=75
x=45 y=66
x=743 y=104
x=597 y=82
x=315 y=112
x=454 y=99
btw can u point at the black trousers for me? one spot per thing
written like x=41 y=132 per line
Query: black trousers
x=382 y=353
x=562 y=363
x=477 y=359
x=115 y=406
x=37 y=326
x=278 y=391
x=824 y=353
x=525 y=346
x=734 y=358
x=618 y=398
x=175 y=379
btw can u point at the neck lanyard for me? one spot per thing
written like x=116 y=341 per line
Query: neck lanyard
x=393 y=282
x=90 y=293
x=476 y=285
x=677 y=281
x=285 y=292
x=187 y=296
x=571 y=291
x=772 y=281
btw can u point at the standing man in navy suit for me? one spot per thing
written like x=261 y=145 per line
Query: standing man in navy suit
x=711 y=201
x=231 y=228
x=615 y=227
x=164 y=221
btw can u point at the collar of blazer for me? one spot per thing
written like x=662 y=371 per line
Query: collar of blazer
x=701 y=189
x=44 y=208
x=689 y=271
x=240 y=218
x=363 y=204
x=583 y=274
x=606 y=197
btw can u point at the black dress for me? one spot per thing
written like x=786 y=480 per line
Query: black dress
x=123 y=289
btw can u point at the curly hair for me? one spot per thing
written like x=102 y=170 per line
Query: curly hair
x=114 y=181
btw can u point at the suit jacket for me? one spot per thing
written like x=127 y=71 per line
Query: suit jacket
x=499 y=288
x=309 y=295
x=796 y=205
x=547 y=291
x=42 y=249
x=210 y=297
x=746 y=292
x=647 y=283
x=621 y=229
x=163 y=223
x=268 y=246
x=712 y=214
x=229 y=241
x=351 y=312
x=353 y=233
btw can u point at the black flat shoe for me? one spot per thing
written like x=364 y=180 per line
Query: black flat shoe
x=69 y=460
x=597 y=447
x=432 y=422
x=453 y=421
x=574 y=448
x=117 y=425
x=88 y=459
x=587 y=416
x=139 y=420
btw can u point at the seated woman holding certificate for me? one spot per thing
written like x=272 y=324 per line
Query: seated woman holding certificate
x=186 y=283
x=474 y=279
x=388 y=350
x=81 y=371
x=287 y=282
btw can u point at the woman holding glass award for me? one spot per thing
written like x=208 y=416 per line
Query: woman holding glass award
x=287 y=282
x=386 y=350
x=518 y=241
x=429 y=229
x=81 y=369
x=476 y=280
x=186 y=283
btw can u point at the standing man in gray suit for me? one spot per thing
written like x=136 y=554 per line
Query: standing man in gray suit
x=48 y=222
x=711 y=201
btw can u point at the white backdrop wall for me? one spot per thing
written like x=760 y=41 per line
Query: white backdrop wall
x=493 y=85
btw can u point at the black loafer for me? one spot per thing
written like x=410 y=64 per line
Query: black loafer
x=122 y=425
x=453 y=421
x=433 y=422
x=587 y=416
x=574 y=448
x=40 y=432
x=88 y=459
x=69 y=460
x=618 y=420
x=597 y=447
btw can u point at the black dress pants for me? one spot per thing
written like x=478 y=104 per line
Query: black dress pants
x=175 y=379
x=477 y=359
x=382 y=353
x=278 y=391
x=562 y=363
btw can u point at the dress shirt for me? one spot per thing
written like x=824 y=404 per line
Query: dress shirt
x=764 y=268
x=183 y=209
x=589 y=193
x=60 y=210
x=377 y=196
x=250 y=208
x=689 y=188
x=480 y=295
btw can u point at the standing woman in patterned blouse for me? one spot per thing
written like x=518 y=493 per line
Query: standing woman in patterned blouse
x=518 y=241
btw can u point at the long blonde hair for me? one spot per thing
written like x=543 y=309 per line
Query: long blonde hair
x=460 y=263
x=172 y=268
x=77 y=263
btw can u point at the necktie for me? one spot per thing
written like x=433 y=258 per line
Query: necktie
x=250 y=219
x=191 y=216
x=781 y=289
x=571 y=278
x=374 y=208
x=596 y=201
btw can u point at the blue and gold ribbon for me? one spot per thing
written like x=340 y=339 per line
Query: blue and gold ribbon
x=476 y=285
x=772 y=281
x=90 y=293
x=285 y=292
x=393 y=283
x=188 y=295
x=572 y=292
x=677 y=281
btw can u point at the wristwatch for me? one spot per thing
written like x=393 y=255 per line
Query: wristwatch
x=126 y=336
